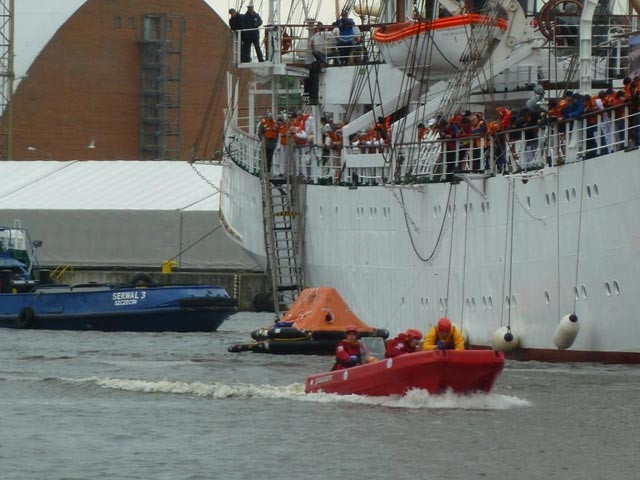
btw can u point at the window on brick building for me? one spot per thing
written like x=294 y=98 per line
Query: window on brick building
x=117 y=21
x=132 y=22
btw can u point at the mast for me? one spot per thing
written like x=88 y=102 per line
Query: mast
x=400 y=10
x=586 y=21
x=7 y=76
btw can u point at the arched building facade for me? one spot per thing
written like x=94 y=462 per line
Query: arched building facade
x=124 y=80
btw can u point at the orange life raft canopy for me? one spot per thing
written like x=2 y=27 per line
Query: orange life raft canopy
x=314 y=325
x=323 y=309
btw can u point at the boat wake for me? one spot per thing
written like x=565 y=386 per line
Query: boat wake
x=414 y=399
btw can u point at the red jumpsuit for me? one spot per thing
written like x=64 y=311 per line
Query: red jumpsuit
x=398 y=346
x=344 y=350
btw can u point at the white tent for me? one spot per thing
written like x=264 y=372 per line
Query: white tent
x=120 y=213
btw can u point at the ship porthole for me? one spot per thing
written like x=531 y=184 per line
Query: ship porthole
x=528 y=202
x=595 y=190
x=321 y=212
x=473 y=304
x=490 y=302
x=575 y=293
x=607 y=289
x=553 y=197
x=589 y=191
x=574 y=194
x=616 y=287
x=566 y=194
x=546 y=200
x=547 y=299
x=484 y=303
x=584 y=292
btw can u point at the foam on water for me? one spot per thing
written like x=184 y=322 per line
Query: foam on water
x=412 y=399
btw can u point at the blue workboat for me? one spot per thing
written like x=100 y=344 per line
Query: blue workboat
x=111 y=308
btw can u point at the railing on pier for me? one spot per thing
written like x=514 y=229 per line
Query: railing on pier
x=510 y=151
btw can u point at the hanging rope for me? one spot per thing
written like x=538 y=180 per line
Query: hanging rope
x=575 y=297
x=406 y=222
x=464 y=255
x=453 y=218
x=506 y=245
x=558 y=237
x=513 y=194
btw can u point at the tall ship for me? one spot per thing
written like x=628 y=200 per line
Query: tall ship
x=439 y=158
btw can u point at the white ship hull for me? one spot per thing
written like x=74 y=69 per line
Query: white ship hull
x=359 y=241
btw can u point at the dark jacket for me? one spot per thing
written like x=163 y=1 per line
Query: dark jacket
x=251 y=21
x=235 y=22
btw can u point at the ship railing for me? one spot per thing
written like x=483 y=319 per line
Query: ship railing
x=291 y=44
x=244 y=149
x=549 y=143
x=510 y=151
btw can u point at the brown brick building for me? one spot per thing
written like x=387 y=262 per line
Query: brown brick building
x=93 y=91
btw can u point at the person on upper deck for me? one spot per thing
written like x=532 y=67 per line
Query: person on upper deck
x=349 y=351
x=346 y=39
x=235 y=20
x=444 y=336
x=251 y=21
x=406 y=342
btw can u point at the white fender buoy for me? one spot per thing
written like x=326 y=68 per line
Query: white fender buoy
x=504 y=340
x=567 y=331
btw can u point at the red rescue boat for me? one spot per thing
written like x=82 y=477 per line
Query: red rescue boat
x=463 y=371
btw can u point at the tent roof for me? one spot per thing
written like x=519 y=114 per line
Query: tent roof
x=108 y=185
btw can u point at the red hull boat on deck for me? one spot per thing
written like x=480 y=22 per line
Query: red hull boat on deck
x=463 y=371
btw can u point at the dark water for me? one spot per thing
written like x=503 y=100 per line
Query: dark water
x=87 y=405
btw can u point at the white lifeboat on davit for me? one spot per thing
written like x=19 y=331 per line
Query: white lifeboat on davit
x=433 y=50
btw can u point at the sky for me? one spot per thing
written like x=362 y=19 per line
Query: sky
x=35 y=22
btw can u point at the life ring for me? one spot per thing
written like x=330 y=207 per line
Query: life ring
x=141 y=279
x=26 y=317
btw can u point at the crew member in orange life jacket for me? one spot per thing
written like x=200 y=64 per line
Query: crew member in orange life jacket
x=268 y=132
x=444 y=336
x=348 y=351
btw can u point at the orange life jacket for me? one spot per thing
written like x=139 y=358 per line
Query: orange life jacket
x=270 y=128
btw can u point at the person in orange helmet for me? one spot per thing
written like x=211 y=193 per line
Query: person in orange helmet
x=405 y=342
x=349 y=351
x=444 y=336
